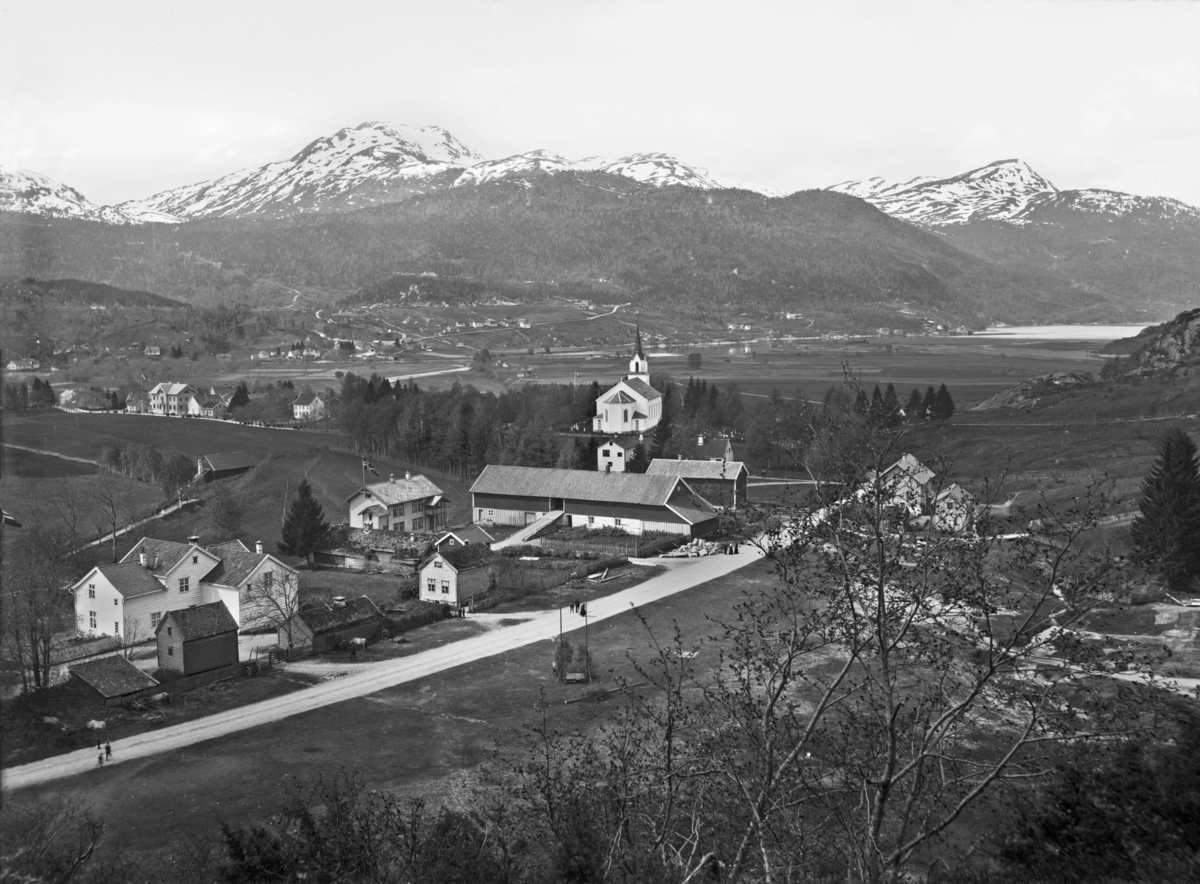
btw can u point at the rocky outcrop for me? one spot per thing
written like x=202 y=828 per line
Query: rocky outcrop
x=1027 y=393
x=1172 y=348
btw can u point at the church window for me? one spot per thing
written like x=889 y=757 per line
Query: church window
x=625 y=416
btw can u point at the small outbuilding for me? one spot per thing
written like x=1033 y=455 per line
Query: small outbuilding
x=324 y=628
x=222 y=466
x=455 y=575
x=111 y=678
x=197 y=639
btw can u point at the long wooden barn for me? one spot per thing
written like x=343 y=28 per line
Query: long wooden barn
x=636 y=502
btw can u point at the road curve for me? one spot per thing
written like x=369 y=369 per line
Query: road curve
x=681 y=574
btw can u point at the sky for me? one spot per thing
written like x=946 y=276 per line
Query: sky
x=123 y=99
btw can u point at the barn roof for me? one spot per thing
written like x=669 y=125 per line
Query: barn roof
x=329 y=616
x=112 y=676
x=202 y=621
x=700 y=470
x=234 y=460
x=631 y=488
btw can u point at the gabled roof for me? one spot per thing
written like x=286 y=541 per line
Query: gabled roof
x=227 y=545
x=642 y=388
x=235 y=567
x=211 y=403
x=469 y=534
x=235 y=460
x=305 y=399
x=690 y=514
x=464 y=558
x=954 y=490
x=170 y=388
x=112 y=676
x=631 y=488
x=627 y=443
x=167 y=552
x=202 y=621
x=701 y=470
x=713 y=447
x=130 y=579
x=329 y=616
x=911 y=467
x=400 y=490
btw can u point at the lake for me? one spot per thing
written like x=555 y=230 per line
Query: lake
x=1063 y=332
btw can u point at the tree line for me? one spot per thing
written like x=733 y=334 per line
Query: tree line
x=22 y=396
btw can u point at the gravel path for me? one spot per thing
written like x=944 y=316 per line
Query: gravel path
x=537 y=626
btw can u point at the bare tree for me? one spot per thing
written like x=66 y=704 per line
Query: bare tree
x=37 y=606
x=274 y=600
x=72 y=506
x=111 y=498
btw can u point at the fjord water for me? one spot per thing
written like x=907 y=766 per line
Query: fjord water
x=1063 y=332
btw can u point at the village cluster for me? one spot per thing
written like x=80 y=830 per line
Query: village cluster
x=193 y=600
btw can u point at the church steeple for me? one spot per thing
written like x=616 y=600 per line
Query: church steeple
x=639 y=365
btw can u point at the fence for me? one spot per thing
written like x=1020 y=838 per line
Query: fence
x=632 y=548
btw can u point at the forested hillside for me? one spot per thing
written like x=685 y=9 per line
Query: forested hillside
x=673 y=246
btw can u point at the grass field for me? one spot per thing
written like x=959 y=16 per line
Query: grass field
x=417 y=739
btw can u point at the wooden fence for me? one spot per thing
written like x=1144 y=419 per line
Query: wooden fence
x=632 y=548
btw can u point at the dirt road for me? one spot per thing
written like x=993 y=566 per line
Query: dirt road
x=682 y=574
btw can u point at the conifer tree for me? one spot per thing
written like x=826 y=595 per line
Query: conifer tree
x=305 y=528
x=241 y=397
x=943 y=404
x=914 y=411
x=929 y=403
x=639 y=460
x=875 y=411
x=891 y=406
x=1166 y=534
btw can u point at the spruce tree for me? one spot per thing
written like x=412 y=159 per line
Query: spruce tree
x=1166 y=534
x=914 y=411
x=929 y=403
x=305 y=528
x=943 y=404
x=891 y=406
x=241 y=397
x=639 y=460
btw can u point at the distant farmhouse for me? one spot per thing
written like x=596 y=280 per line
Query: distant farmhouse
x=308 y=407
x=222 y=466
x=22 y=365
x=412 y=504
x=634 y=502
x=131 y=597
x=455 y=575
x=631 y=405
x=612 y=456
x=172 y=398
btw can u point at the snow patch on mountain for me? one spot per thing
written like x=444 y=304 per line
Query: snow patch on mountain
x=35 y=194
x=1007 y=190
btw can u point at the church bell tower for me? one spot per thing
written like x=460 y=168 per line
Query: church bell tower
x=639 y=365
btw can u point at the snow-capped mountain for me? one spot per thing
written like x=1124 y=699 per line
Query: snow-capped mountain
x=352 y=168
x=1008 y=190
x=33 y=193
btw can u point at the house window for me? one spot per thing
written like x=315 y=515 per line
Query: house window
x=183 y=584
x=617 y=522
x=606 y=454
x=591 y=520
x=91 y=619
x=431 y=587
x=170 y=651
x=418 y=506
x=115 y=602
x=625 y=416
x=620 y=454
x=195 y=560
x=116 y=627
x=269 y=579
x=491 y=513
x=437 y=563
x=418 y=525
x=398 y=510
x=445 y=587
x=154 y=618
x=91 y=590
x=168 y=630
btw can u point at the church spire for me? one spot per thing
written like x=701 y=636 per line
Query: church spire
x=639 y=365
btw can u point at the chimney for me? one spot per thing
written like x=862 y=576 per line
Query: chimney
x=258 y=547
x=151 y=561
x=142 y=559
x=408 y=474
x=199 y=466
x=194 y=539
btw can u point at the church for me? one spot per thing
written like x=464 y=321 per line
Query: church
x=631 y=405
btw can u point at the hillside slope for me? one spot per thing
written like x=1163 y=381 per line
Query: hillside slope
x=672 y=246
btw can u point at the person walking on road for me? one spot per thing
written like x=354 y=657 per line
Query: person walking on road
x=108 y=750
x=100 y=760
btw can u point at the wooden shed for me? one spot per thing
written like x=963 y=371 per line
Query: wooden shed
x=111 y=677
x=197 y=639
x=455 y=575
x=321 y=629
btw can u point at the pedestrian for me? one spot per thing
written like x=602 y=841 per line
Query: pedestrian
x=108 y=750
x=99 y=744
x=100 y=760
x=353 y=653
